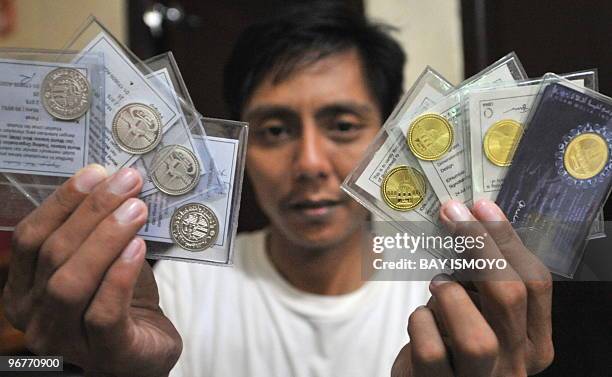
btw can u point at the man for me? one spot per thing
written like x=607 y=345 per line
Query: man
x=315 y=85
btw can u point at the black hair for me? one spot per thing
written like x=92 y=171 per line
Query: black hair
x=303 y=34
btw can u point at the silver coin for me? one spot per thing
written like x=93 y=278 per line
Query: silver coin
x=137 y=128
x=194 y=227
x=65 y=94
x=176 y=170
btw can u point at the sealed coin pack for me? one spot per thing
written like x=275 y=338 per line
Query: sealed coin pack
x=48 y=103
x=146 y=118
x=388 y=180
x=139 y=115
x=198 y=226
x=561 y=172
x=437 y=137
x=494 y=120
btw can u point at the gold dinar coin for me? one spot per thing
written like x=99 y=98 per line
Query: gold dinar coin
x=500 y=141
x=430 y=136
x=403 y=188
x=586 y=156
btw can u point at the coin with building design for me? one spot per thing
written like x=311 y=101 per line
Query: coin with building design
x=65 y=93
x=430 y=136
x=194 y=227
x=137 y=128
x=403 y=188
x=175 y=170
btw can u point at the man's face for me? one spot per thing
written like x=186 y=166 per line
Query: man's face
x=307 y=133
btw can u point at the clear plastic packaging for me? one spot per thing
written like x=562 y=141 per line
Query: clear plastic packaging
x=168 y=168
x=165 y=232
x=494 y=119
x=438 y=135
x=48 y=104
x=561 y=172
x=145 y=117
x=388 y=152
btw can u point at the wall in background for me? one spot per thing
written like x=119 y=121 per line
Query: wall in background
x=51 y=23
x=429 y=31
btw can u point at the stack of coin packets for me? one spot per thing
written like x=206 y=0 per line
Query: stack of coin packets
x=473 y=141
x=100 y=104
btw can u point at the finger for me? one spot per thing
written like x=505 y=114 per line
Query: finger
x=456 y=216
x=107 y=315
x=80 y=276
x=474 y=345
x=525 y=263
x=502 y=293
x=402 y=366
x=32 y=231
x=429 y=355
x=535 y=275
x=104 y=199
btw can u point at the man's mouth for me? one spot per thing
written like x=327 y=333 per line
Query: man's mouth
x=314 y=207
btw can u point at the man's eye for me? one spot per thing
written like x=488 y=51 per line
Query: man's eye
x=276 y=131
x=345 y=126
x=343 y=130
x=273 y=133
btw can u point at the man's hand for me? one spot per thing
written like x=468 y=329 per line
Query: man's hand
x=498 y=324
x=78 y=285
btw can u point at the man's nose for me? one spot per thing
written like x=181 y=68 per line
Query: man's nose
x=311 y=155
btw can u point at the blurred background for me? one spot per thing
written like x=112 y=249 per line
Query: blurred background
x=456 y=37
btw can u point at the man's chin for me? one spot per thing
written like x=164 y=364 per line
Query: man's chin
x=316 y=235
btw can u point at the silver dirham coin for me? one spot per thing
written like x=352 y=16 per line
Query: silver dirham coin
x=194 y=227
x=65 y=94
x=137 y=128
x=175 y=170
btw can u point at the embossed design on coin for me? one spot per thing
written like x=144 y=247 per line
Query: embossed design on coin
x=430 y=136
x=586 y=155
x=194 y=227
x=176 y=170
x=137 y=128
x=65 y=94
x=403 y=188
x=501 y=140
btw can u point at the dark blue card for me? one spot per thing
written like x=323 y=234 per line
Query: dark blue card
x=560 y=175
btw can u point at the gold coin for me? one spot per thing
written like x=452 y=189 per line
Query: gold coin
x=500 y=141
x=403 y=188
x=430 y=137
x=586 y=156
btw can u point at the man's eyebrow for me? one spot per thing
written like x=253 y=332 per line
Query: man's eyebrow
x=334 y=109
x=269 y=111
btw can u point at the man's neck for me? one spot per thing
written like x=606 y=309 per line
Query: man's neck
x=331 y=270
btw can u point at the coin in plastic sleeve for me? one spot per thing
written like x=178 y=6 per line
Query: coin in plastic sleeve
x=175 y=170
x=194 y=227
x=137 y=128
x=65 y=94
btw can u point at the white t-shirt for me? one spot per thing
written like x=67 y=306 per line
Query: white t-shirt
x=247 y=320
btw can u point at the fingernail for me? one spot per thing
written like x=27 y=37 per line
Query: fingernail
x=123 y=181
x=457 y=211
x=488 y=211
x=89 y=177
x=129 y=211
x=132 y=250
x=440 y=279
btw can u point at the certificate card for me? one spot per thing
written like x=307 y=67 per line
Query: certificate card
x=554 y=190
x=226 y=155
x=124 y=84
x=489 y=107
x=32 y=141
x=389 y=150
x=180 y=133
x=448 y=175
